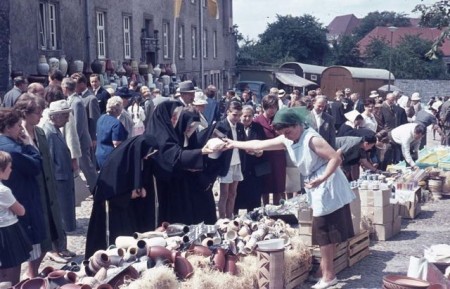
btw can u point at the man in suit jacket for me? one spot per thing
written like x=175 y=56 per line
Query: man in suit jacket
x=212 y=109
x=187 y=93
x=81 y=123
x=392 y=114
x=358 y=104
x=100 y=93
x=336 y=110
x=234 y=160
x=322 y=122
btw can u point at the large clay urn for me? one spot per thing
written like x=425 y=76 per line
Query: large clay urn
x=219 y=260
x=157 y=71
x=143 y=68
x=183 y=268
x=43 y=67
x=35 y=283
x=53 y=63
x=63 y=65
x=159 y=252
x=96 y=66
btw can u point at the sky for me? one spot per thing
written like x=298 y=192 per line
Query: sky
x=252 y=16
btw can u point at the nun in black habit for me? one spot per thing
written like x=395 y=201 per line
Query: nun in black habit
x=126 y=182
x=184 y=188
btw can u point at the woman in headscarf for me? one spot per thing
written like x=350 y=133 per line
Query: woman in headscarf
x=328 y=190
x=354 y=122
x=125 y=190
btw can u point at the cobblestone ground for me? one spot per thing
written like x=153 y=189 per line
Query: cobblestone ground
x=432 y=226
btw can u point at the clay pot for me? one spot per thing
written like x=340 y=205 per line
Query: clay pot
x=250 y=246
x=183 y=268
x=53 y=62
x=176 y=230
x=244 y=231
x=96 y=66
x=101 y=275
x=122 y=275
x=116 y=260
x=120 y=71
x=35 y=283
x=104 y=286
x=43 y=67
x=159 y=252
x=146 y=235
x=201 y=250
x=143 y=68
x=231 y=235
x=157 y=71
x=19 y=285
x=173 y=67
x=47 y=270
x=230 y=264
x=109 y=66
x=98 y=260
x=233 y=225
x=207 y=242
x=125 y=242
x=141 y=248
x=163 y=227
x=58 y=278
x=63 y=65
x=116 y=252
x=131 y=254
x=219 y=260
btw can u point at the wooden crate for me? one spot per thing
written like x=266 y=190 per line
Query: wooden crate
x=358 y=248
x=340 y=260
x=298 y=275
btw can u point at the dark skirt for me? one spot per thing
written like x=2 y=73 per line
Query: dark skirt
x=333 y=228
x=15 y=246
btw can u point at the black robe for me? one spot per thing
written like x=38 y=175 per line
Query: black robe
x=123 y=171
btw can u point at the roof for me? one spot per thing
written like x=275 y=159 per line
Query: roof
x=384 y=33
x=342 y=25
x=307 y=68
x=366 y=73
x=293 y=79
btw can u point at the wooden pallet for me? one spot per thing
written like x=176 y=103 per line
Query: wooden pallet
x=297 y=276
x=358 y=248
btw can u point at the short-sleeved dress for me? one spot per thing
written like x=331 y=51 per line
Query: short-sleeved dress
x=109 y=129
x=15 y=246
x=332 y=222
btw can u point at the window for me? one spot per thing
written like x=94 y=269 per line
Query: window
x=205 y=43
x=101 y=44
x=127 y=37
x=194 y=42
x=181 y=41
x=166 y=39
x=313 y=77
x=215 y=44
x=48 y=26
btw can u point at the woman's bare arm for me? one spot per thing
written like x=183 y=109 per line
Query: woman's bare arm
x=257 y=145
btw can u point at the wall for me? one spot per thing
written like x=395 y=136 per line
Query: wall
x=426 y=88
x=4 y=46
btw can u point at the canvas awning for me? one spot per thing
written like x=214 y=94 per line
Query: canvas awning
x=293 y=79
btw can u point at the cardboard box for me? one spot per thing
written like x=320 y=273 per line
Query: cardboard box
x=379 y=215
x=410 y=210
x=396 y=209
x=304 y=215
x=305 y=228
x=382 y=232
x=396 y=225
x=375 y=198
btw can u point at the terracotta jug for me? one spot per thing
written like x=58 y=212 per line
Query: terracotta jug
x=219 y=259
x=183 y=268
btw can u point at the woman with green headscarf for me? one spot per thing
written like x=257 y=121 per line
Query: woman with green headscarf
x=329 y=192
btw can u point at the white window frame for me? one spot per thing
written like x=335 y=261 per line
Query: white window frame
x=101 y=35
x=127 y=37
x=205 y=43
x=166 y=40
x=215 y=44
x=48 y=26
x=181 y=41
x=194 y=42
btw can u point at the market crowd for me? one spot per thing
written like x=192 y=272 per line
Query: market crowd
x=149 y=158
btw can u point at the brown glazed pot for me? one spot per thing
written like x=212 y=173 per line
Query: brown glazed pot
x=98 y=260
x=159 y=252
x=19 y=285
x=163 y=227
x=230 y=264
x=201 y=250
x=35 y=283
x=183 y=268
x=219 y=260
x=47 y=270
x=104 y=286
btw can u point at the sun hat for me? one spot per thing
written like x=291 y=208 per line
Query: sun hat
x=200 y=98
x=374 y=94
x=281 y=93
x=59 y=107
x=415 y=96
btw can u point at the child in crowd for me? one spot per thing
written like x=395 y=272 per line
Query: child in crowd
x=15 y=247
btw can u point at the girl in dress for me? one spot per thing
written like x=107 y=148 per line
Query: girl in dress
x=15 y=246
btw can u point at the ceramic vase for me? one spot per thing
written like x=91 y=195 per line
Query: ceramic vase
x=127 y=68
x=134 y=67
x=103 y=67
x=120 y=70
x=143 y=68
x=53 y=62
x=219 y=260
x=79 y=66
x=96 y=66
x=173 y=67
x=159 y=252
x=109 y=66
x=157 y=71
x=35 y=283
x=63 y=65
x=183 y=268
x=230 y=264
x=43 y=67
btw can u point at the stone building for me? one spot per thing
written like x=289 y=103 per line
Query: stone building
x=196 y=35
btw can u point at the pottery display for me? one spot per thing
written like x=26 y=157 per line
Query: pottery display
x=43 y=67
x=63 y=65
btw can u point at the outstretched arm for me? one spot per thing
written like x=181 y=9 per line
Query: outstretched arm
x=257 y=145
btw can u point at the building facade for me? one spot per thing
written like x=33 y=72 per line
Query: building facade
x=195 y=35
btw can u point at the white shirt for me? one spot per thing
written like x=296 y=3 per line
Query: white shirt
x=7 y=199
x=370 y=122
x=404 y=136
x=318 y=118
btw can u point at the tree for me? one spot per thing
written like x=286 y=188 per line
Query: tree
x=346 y=52
x=375 y=19
x=408 y=58
x=301 y=38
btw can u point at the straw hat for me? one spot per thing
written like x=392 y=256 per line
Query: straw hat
x=374 y=94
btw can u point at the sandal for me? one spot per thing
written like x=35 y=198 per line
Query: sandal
x=56 y=258
x=66 y=254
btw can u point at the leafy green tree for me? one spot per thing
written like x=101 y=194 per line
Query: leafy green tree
x=301 y=38
x=408 y=58
x=375 y=19
x=345 y=52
